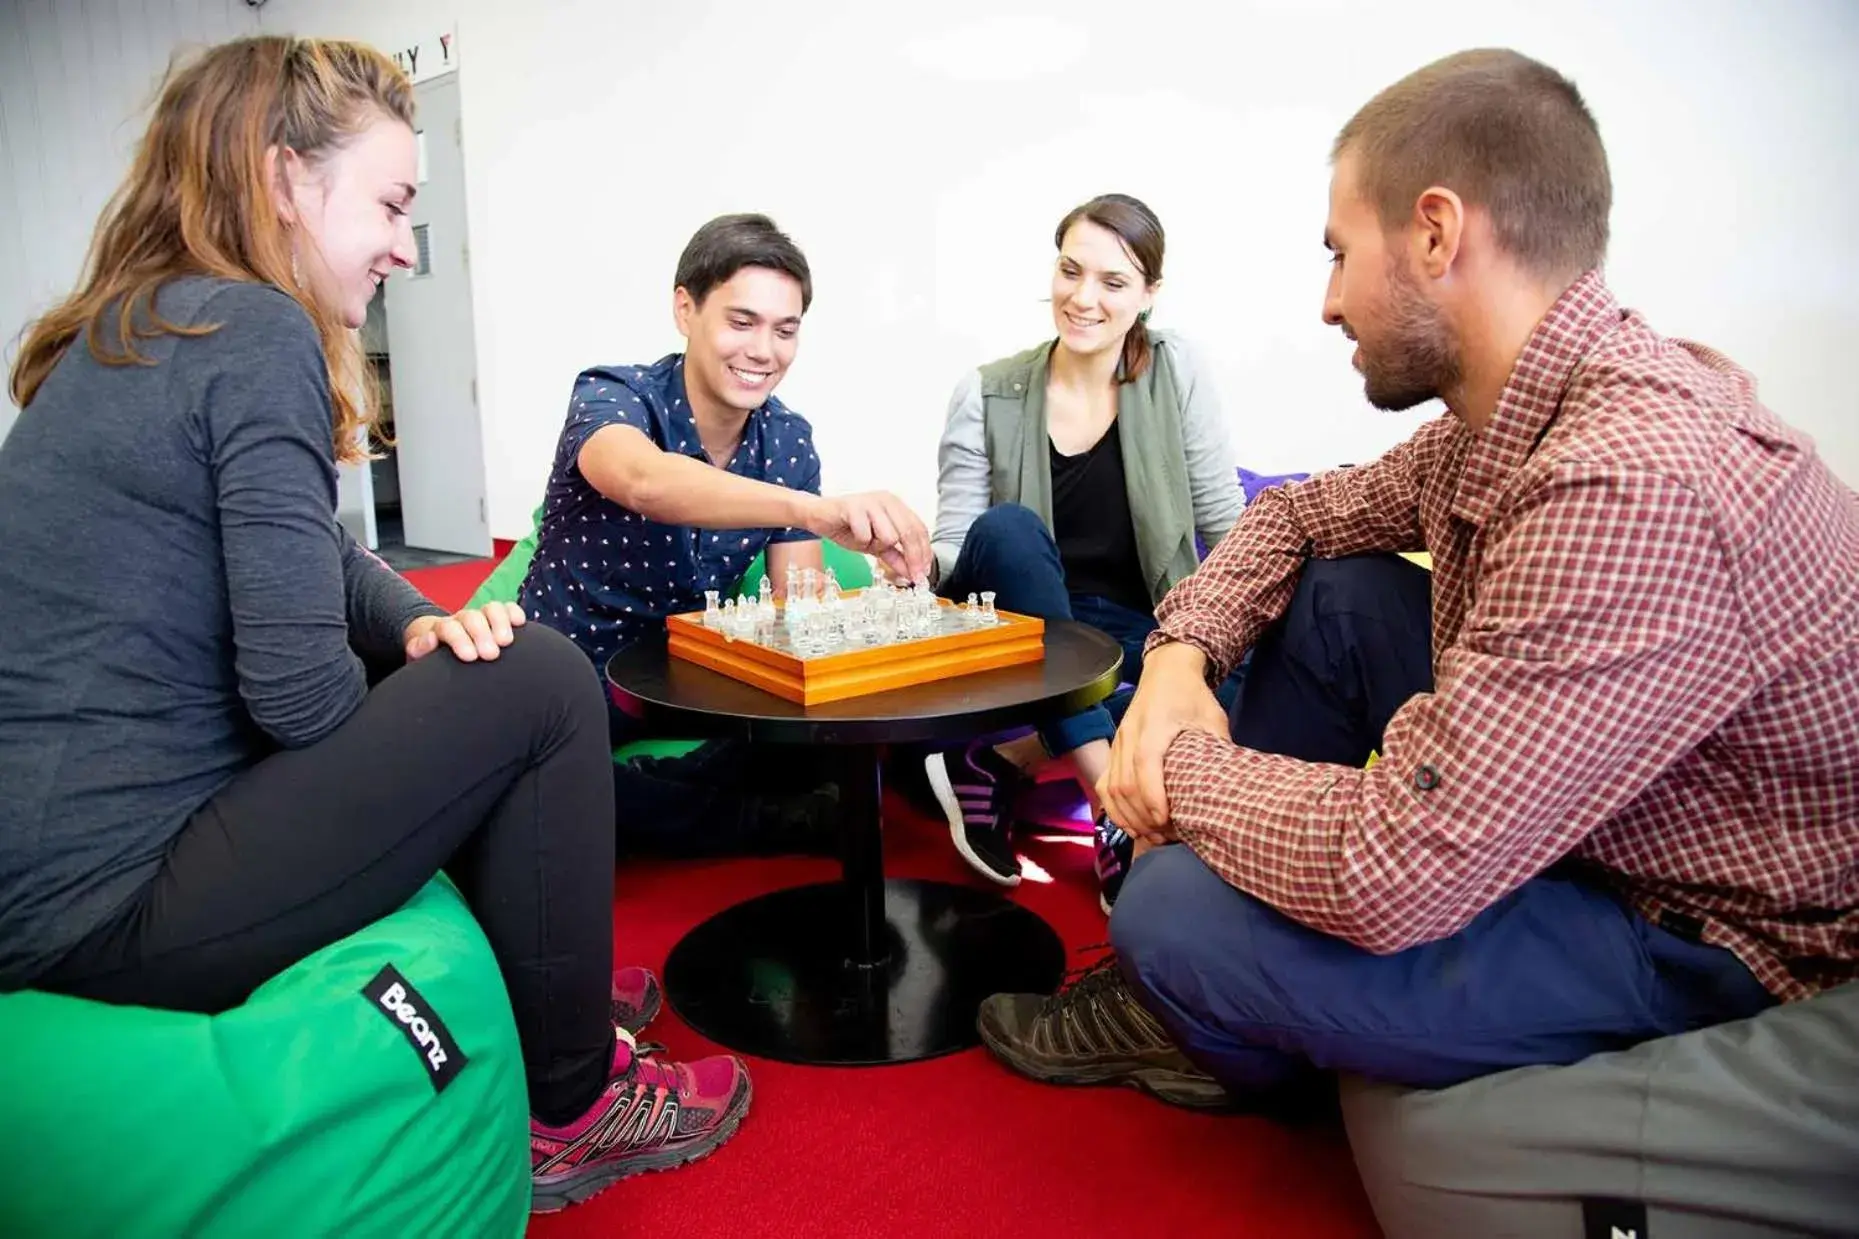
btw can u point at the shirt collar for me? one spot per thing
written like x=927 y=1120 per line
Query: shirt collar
x=1533 y=394
x=683 y=421
x=678 y=416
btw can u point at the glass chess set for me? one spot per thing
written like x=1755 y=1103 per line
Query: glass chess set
x=825 y=644
x=820 y=619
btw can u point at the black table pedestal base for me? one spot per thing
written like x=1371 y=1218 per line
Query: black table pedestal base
x=771 y=977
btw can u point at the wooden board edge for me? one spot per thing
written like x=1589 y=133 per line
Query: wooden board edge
x=732 y=664
x=865 y=682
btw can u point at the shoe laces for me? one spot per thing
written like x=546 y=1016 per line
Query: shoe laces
x=1094 y=1011
x=1088 y=981
x=649 y=1071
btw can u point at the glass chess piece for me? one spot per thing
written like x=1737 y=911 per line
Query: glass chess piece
x=858 y=623
x=909 y=615
x=988 y=614
x=930 y=607
x=813 y=634
x=713 y=613
x=765 y=604
x=832 y=619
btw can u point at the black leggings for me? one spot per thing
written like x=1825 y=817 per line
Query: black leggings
x=497 y=772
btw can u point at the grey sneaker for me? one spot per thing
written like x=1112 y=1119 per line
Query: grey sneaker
x=1093 y=1031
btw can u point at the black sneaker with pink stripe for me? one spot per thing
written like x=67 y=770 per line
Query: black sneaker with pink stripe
x=976 y=788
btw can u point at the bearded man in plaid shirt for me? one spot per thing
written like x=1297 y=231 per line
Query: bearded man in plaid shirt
x=1617 y=726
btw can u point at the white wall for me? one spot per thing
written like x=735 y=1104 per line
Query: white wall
x=921 y=156
x=75 y=80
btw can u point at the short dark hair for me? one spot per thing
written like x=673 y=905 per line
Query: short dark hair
x=1141 y=233
x=1504 y=132
x=729 y=243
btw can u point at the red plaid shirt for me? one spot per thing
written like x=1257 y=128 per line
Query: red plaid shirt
x=1645 y=653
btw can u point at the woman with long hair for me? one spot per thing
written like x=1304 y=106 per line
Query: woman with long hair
x=229 y=736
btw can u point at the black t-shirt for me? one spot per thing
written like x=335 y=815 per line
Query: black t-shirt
x=1091 y=523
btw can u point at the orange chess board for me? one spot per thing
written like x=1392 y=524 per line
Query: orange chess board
x=953 y=649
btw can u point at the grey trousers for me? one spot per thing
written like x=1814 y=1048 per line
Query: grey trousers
x=1748 y=1130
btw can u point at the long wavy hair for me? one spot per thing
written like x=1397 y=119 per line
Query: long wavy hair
x=198 y=200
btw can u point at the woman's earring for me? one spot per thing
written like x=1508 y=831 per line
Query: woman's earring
x=296 y=269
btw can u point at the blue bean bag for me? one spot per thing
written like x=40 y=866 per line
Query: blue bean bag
x=375 y=1088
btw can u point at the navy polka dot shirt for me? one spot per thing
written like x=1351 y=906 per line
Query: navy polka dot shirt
x=604 y=575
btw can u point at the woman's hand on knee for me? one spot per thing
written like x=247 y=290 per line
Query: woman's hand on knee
x=472 y=635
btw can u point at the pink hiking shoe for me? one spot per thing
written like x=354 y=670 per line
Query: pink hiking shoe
x=636 y=998
x=654 y=1115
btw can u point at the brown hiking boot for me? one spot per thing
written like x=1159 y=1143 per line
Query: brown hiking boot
x=1093 y=1031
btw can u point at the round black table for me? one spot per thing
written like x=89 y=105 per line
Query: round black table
x=864 y=970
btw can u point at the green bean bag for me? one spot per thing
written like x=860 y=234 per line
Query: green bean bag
x=375 y=1088
x=506 y=581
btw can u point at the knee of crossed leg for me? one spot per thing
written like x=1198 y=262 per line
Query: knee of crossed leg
x=549 y=673
x=1147 y=925
x=1161 y=926
x=1009 y=550
x=1354 y=585
x=1007 y=528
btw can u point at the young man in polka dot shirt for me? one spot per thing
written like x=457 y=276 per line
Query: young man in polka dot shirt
x=668 y=479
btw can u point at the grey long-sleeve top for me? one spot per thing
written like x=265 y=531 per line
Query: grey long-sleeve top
x=177 y=601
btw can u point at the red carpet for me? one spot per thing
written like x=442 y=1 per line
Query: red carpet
x=452 y=585
x=954 y=1146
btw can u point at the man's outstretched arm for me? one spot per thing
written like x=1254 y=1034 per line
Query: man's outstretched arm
x=623 y=464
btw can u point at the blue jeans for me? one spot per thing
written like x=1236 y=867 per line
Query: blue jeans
x=1009 y=550
x=1558 y=969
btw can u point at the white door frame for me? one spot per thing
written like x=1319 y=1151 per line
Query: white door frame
x=433 y=348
